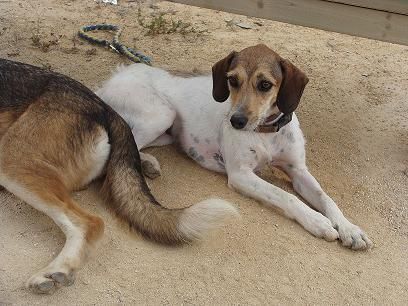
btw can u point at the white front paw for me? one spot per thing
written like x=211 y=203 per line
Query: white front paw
x=320 y=226
x=352 y=236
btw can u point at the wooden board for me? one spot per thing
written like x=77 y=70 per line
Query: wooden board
x=392 y=6
x=326 y=15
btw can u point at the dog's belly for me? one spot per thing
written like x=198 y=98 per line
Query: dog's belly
x=204 y=150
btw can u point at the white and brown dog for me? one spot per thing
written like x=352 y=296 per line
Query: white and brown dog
x=255 y=127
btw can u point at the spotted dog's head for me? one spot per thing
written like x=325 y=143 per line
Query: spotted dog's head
x=264 y=88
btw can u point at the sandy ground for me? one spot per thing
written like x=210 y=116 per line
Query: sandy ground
x=354 y=116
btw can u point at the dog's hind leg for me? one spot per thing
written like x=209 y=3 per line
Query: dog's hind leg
x=153 y=133
x=81 y=229
x=150 y=165
x=42 y=173
x=148 y=114
x=162 y=140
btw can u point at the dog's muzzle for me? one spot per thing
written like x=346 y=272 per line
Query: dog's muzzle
x=274 y=123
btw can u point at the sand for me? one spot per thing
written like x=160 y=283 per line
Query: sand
x=354 y=114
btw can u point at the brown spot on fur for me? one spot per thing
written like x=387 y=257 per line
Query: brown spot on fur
x=95 y=229
x=254 y=57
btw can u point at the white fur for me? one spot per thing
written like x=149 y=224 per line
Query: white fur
x=98 y=156
x=152 y=100
x=198 y=219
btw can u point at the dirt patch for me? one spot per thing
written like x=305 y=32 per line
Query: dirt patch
x=355 y=118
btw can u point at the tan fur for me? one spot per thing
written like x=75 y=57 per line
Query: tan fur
x=6 y=120
x=241 y=76
x=186 y=74
x=53 y=145
x=253 y=103
x=51 y=169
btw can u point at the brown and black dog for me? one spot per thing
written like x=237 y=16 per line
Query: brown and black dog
x=56 y=136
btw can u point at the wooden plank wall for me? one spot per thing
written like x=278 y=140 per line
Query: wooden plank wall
x=392 y=6
x=385 y=20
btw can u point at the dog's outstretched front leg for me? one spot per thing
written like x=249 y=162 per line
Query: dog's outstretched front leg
x=247 y=182
x=306 y=185
x=350 y=235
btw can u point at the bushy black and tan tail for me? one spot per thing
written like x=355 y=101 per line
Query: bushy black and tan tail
x=131 y=200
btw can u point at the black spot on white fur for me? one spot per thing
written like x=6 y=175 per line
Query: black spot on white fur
x=273 y=140
x=200 y=159
x=220 y=161
x=290 y=137
x=192 y=152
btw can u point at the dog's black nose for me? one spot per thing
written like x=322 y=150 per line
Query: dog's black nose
x=238 y=121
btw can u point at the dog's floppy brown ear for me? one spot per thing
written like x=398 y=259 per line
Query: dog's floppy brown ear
x=219 y=75
x=292 y=86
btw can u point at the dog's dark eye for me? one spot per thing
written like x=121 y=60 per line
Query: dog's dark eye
x=264 y=85
x=233 y=81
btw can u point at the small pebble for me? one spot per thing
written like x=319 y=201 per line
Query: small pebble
x=245 y=26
